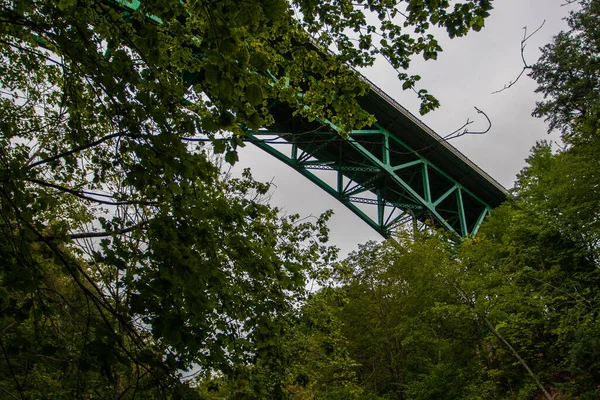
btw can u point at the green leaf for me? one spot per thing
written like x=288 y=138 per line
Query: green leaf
x=254 y=94
x=231 y=157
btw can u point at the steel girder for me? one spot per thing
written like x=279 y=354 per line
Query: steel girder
x=375 y=168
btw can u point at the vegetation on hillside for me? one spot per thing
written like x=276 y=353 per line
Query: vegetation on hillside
x=130 y=262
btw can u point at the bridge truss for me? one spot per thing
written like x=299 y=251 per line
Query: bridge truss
x=396 y=170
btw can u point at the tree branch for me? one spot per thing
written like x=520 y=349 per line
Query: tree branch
x=86 y=235
x=526 y=66
x=518 y=357
x=80 y=194
x=8 y=327
x=469 y=302
x=92 y=292
x=10 y=394
x=12 y=372
x=466 y=131
x=75 y=150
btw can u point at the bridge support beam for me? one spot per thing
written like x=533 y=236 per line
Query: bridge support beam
x=377 y=176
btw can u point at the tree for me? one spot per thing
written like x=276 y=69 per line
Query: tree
x=508 y=314
x=567 y=75
x=407 y=329
x=539 y=257
x=137 y=318
x=562 y=186
x=513 y=312
x=111 y=207
x=55 y=342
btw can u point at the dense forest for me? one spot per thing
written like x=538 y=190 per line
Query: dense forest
x=133 y=267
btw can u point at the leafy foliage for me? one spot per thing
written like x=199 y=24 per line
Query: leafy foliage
x=405 y=324
x=567 y=75
x=128 y=258
x=398 y=34
x=509 y=314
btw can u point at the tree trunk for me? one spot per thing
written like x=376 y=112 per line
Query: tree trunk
x=518 y=357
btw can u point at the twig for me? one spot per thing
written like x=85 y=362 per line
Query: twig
x=466 y=131
x=75 y=150
x=526 y=66
x=80 y=194
x=85 y=235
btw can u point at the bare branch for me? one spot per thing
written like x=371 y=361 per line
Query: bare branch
x=463 y=130
x=75 y=150
x=526 y=66
x=568 y=2
x=86 y=195
x=85 y=235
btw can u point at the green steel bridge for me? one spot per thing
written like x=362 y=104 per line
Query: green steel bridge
x=396 y=170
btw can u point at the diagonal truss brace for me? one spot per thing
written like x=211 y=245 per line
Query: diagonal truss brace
x=443 y=203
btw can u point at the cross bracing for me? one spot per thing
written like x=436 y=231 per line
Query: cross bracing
x=378 y=167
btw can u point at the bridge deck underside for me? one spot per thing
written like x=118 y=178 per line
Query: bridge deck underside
x=374 y=173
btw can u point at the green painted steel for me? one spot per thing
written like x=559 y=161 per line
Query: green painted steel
x=388 y=173
x=374 y=167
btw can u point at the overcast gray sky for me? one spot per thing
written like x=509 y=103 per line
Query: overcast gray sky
x=465 y=75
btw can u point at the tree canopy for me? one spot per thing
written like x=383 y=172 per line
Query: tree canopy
x=128 y=257
x=567 y=75
x=509 y=314
x=513 y=312
x=131 y=262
